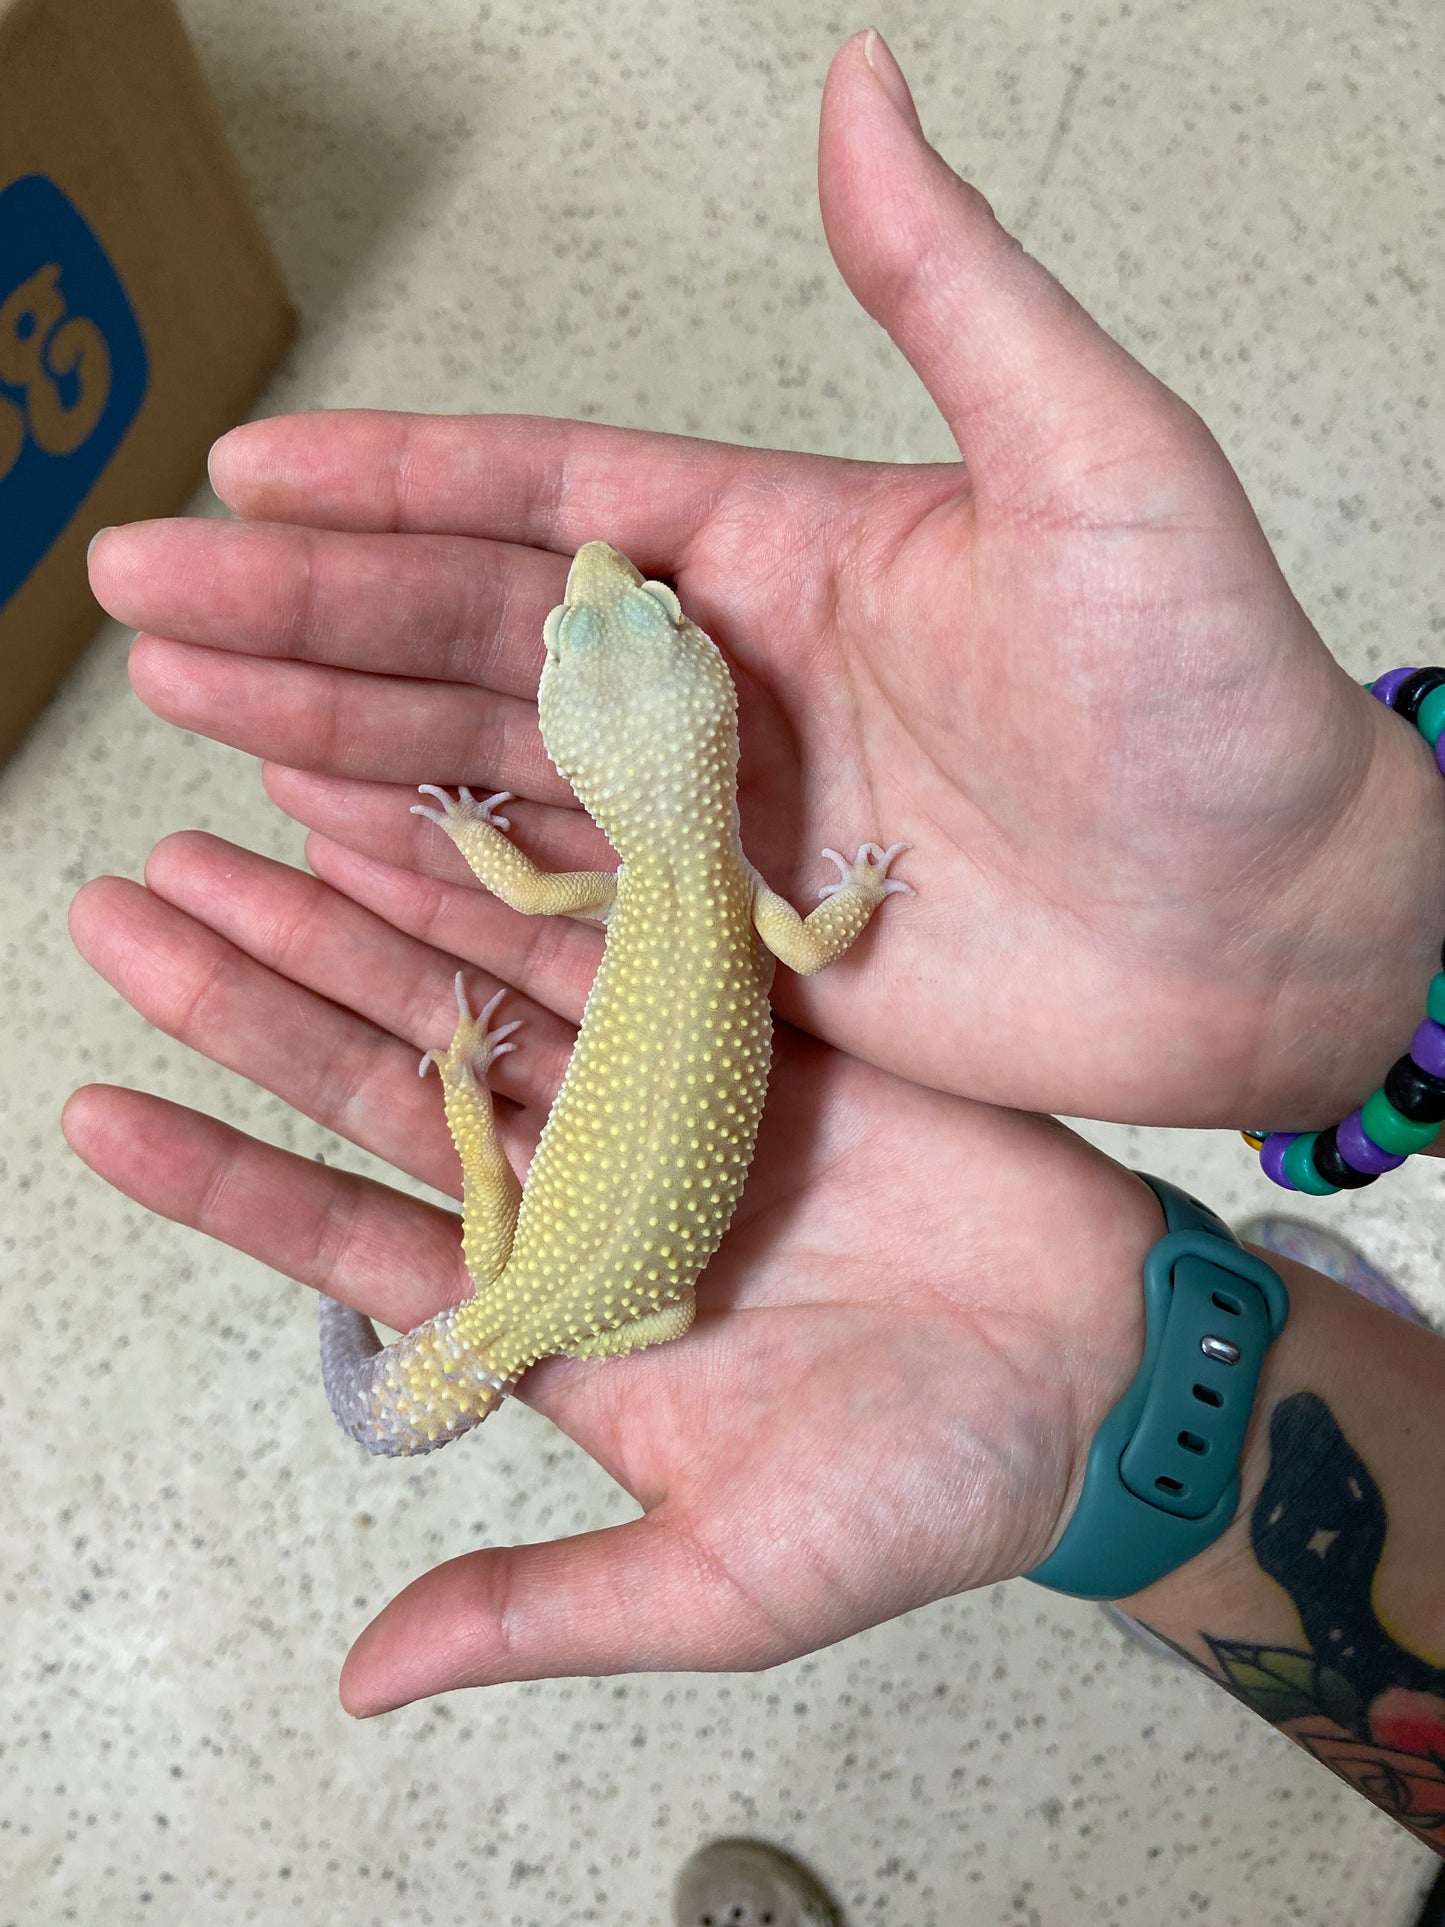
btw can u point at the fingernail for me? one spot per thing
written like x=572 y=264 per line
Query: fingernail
x=216 y=458
x=879 y=56
x=226 y=459
x=90 y=546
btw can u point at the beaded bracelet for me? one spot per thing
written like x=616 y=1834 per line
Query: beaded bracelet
x=1406 y=1113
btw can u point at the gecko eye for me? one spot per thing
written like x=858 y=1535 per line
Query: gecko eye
x=660 y=593
x=550 y=628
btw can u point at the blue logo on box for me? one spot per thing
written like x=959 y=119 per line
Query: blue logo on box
x=73 y=369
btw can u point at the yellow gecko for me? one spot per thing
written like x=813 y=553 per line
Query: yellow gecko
x=644 y=1153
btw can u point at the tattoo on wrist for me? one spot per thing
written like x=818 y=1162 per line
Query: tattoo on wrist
x=1353 y=1696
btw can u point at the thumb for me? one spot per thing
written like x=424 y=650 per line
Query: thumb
x=1018 y=369
x=640 y=1597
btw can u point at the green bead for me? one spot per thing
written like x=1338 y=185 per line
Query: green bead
x=1430 y=716
x=1435 y=999
x=1299 y=1167
x=1392 y=1131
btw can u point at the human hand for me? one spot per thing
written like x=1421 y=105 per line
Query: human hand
x=902 y=1350
x=1160 y=837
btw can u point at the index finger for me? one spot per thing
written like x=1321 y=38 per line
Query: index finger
x=512 y=478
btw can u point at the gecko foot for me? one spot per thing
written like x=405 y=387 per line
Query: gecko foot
x=869 y=869
x=464 y=810
x=474 y=1047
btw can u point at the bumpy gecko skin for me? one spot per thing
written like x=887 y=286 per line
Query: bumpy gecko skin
x=643 y=1156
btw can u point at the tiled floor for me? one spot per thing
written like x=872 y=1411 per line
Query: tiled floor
x=610 y=212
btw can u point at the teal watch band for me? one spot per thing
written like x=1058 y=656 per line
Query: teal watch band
x=1162 y=1479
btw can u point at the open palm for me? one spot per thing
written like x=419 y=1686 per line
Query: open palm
x=1068 y=671
x=880 y=1402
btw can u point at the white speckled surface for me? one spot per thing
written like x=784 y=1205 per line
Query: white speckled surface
x=543 y=207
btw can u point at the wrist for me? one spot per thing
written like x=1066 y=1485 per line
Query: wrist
x=1383 y=1378
x=1130 y=1222
x=1218 y=1577
x=1359 y=938
x=1161 y=1476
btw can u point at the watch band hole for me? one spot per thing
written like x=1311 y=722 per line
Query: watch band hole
x=1166 y=1484
x=1192 y=1442
x=1208 y=1396
x=1224 y=1302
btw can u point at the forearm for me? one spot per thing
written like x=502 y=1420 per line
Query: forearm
x=1323 y=1605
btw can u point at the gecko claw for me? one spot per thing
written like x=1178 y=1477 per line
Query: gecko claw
x=475 y=1046
x=870 y=864
x=892 y=886
x=845 y=873
x=432 y=816
x=465 y=807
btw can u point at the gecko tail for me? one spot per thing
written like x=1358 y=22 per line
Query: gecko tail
x=414 y=1395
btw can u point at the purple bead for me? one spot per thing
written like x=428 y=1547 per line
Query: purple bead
x=1427 y=1047
x=1361 y=1151
x=1383 y=687
x=1440 y=754
x=1271 y=1158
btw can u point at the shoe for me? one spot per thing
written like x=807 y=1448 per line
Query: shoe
x=746 y=1883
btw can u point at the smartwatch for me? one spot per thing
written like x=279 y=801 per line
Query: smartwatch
x=1162 y=1478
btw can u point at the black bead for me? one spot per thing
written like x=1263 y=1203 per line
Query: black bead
x=1415 y=1093
x=1328 y=1161
x=1413 y=691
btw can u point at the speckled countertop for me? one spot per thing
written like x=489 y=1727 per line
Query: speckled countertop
x=609 y=212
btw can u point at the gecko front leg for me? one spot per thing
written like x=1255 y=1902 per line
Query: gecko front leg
x=808 y=944
x=478 y=834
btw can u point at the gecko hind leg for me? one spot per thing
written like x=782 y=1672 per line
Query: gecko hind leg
x=436 y=1382
x=490 y=1191
x=653 y=1328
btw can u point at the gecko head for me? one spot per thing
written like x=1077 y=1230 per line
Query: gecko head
x=636 y=703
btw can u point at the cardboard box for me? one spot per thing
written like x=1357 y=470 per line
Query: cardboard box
x=140 y=308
